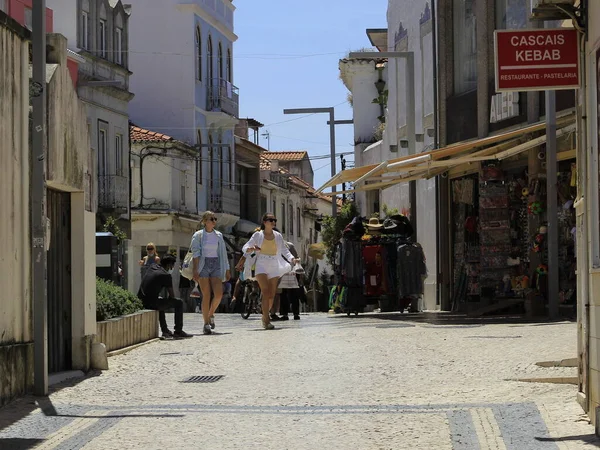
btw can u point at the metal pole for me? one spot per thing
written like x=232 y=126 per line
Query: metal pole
x=38 y=203
x=552 y=207
x=411 y=132
x=333 y=171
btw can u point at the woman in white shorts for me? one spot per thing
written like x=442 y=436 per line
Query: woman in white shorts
x=272 y=262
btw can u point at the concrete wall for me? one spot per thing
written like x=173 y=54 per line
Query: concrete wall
x=163 y=178
x=16 y=335
x=68 y=165
x=589 y=268
x=414 y=18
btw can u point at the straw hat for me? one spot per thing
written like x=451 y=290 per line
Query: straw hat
x=374 y=224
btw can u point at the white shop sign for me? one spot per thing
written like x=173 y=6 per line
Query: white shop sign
x=505 y=105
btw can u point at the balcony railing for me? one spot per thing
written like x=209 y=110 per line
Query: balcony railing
x=228 y=202
x=280 y=180
x=223 y=97
x=113 y=191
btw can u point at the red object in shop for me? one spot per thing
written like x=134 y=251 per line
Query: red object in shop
x=374 y=263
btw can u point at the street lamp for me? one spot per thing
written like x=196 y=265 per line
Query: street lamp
x=331 y=122
x=410 y=109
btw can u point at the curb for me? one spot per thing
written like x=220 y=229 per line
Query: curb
x=131 y=347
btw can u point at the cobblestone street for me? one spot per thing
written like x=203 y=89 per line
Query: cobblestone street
x=367 y=382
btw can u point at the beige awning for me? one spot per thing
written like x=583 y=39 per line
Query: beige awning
x=430 y=164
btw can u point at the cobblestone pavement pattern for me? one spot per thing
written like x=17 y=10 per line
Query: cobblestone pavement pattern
x=323 y=382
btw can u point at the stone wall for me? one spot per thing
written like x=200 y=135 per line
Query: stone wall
x=125 y=331
x=16 y=333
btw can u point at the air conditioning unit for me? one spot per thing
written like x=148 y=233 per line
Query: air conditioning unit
x=547 y=10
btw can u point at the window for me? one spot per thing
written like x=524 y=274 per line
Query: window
x=263 y=205
x=211 y=166
x=225 y=161
x=102 y=37
x=199 y=162
x=465 y=46
x=84 y=38
x=283 y=216
x=28 y=18
x=220 y=60
x=119 y=154
x=3 y=6
x=291 y=214
x=511 y=14
x=229 y=66
x=183 y=189
x=274 y=209
x=198 y=54
x=102 y=149
x=209 y=62
x=299 y=221
x=119 y=46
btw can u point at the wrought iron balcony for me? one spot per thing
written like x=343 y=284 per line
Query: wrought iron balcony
x=223 y=97
x=280 y=180
x=113 y=192
x=227 y=201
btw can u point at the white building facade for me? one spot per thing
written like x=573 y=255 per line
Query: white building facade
x=97 y=34
x=197 y=102
x=409 y=30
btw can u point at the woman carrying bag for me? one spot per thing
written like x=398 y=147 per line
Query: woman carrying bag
x=273 y=260
x=210 y=267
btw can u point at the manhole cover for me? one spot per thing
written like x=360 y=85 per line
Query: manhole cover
x=204 y=379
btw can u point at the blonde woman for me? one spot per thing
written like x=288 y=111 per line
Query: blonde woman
x=210 y=267
x=150 y=259
x=272 y=262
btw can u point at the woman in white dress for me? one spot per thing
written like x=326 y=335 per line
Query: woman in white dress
x=273 y=260
x=210 y=267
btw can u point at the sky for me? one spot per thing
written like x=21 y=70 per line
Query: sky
x=286 y=56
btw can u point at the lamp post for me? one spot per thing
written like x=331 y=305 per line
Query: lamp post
x=409 y=57
x=331 y=122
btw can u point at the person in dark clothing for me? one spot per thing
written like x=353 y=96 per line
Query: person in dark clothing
x=185 y=287
x=157 y=278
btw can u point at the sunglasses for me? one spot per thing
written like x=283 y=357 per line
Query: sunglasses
x=150 y=249
x=271 y=220
x=214 y=219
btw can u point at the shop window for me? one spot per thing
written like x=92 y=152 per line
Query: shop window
x=200 y=162
x=465 y=46
x=299 y=221
x=291 y=214
x=283 y=216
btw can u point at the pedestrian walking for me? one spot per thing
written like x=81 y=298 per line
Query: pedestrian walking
x=157 y=278
x=272 y=262
x=210 y=267
x=290 y=290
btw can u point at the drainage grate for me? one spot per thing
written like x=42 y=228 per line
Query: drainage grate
x=204 y=379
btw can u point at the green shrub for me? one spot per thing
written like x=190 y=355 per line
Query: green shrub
x=113 y=301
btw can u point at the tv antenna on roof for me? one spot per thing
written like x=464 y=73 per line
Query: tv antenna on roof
x=267 y=135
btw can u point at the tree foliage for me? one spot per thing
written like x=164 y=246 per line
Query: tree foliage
x=111 y=226
x=332 y=227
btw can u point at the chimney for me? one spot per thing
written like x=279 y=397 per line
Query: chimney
x=274 y=165
x=241 y=128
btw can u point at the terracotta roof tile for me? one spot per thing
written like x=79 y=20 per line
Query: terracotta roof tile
x=141 y=135
x=286 y=156
x=265 y=164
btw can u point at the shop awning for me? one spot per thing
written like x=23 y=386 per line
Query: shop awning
x=430 y=164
